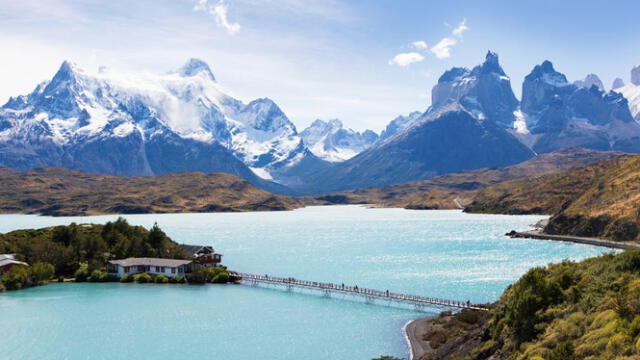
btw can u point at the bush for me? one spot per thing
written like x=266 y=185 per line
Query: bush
x=143 y=278
x=16 y=278
x=177 y=280
x=82 y=274
x=198 y=276
x=161 y=279
x=98 y=276
x=126 y=278
x=220 y=278
x=42 y=272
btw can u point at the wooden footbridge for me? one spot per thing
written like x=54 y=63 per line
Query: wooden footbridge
x=370 y=295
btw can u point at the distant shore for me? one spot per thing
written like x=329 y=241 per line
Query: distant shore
x=539 y=235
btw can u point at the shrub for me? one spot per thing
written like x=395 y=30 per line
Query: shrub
x=126 y=278
x=16 y=278
x=143 y=278
x=198 y=276
x=42 y=272
x=161 y=279
x=98 y=276
x=82 y=274
x=177 y=280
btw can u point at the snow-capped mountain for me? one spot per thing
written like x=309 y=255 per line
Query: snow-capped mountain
x=331 y=141
x=119 y=123
x=631 y=92
x=398 y=124
x=467 y=127
x=589 y=81
x=558 y=114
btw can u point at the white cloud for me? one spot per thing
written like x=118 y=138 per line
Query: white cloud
x=460 y=29
x=419 y=45
x=405 y=59
x=219 y=13
x=442 y=49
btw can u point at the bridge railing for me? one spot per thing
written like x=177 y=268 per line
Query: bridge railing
x=363 y=291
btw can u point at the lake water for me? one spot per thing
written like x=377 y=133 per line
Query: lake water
x=444 y=254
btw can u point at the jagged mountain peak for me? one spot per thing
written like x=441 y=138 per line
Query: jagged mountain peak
x=194 y=67
x=331 y=141
x=491 y=64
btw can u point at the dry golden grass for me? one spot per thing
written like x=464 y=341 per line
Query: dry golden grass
x=57 y=191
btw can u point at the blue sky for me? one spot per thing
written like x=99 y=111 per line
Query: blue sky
x=319 y=58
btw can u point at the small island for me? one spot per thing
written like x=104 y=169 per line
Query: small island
x=115 y=251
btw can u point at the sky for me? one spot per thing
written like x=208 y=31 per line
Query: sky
x=362 y=61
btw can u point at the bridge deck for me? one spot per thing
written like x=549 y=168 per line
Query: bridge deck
x=367 y=293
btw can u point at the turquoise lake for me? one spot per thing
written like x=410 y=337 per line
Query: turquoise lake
x=445 y=254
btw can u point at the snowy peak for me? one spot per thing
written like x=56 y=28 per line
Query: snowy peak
x=195 y=67
x=330 y=141
x=589 y=81
x=543 y=87
x=485 y=91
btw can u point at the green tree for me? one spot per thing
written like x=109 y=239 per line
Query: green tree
x=42 y=272
x=16 y=278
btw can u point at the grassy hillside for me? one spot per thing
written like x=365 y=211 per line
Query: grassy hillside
x=59 y=192
x=455 y=190
x=569 y=311
x=599 y=200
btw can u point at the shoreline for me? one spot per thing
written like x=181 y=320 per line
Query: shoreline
x=413 y=330
x=539 y=235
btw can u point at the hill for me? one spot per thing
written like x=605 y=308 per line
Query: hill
x=599 y=200
x=452 y=191
x=588 y=310
x=63 y=192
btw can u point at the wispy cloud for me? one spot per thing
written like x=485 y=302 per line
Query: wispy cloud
x=460 y=29
x=442 y=49
x=420 y=45
x=219 y=13
x=406 y=59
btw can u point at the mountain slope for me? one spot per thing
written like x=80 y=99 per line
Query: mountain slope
x=142 y=119
x=567 y=311
x=463 y=130
x=63 y=192
x=599 y=200
x=452 y=191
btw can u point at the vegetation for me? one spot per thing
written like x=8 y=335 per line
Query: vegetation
x=588 y=310
x=63 y=192
x=218 y=275
x=77 y=250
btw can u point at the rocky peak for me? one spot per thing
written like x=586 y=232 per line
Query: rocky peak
x=589 y=81
x=617 y=84
x=544 y=86
x=194 y=67
x=635 y=75
x=492 y=64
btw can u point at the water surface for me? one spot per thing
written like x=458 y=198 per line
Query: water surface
x=433 y=253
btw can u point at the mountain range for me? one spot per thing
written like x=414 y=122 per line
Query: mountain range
x=147 y=124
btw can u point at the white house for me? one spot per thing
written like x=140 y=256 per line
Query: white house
x=8 y=261
x=153 y=266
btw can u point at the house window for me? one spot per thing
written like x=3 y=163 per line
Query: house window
x=173 y=270
x=126 y=269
